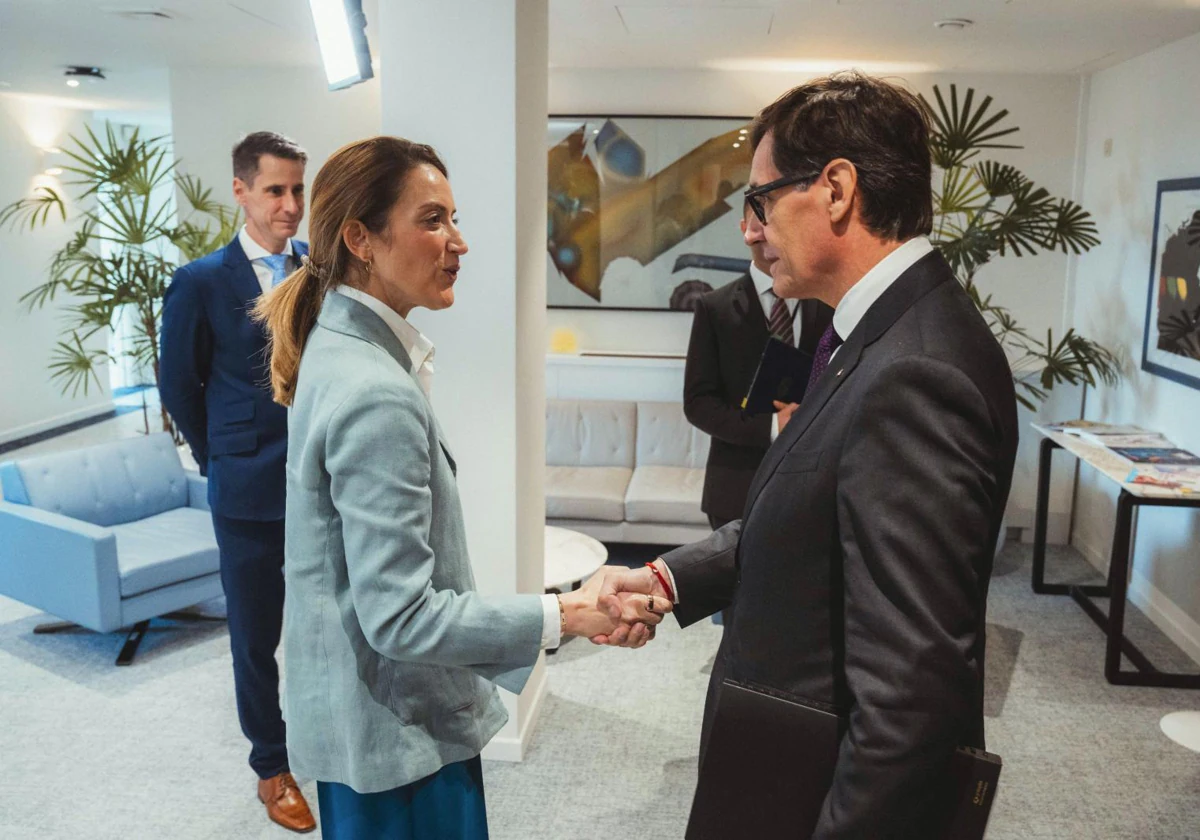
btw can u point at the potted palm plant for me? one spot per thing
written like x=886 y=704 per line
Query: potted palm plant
x=127 y=245
x=984 y=209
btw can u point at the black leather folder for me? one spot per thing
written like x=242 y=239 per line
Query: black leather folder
x=770 y=762
x=782 y=375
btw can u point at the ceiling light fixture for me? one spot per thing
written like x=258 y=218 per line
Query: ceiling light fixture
x=342 y=35
x=77 y=73
x=953 y=24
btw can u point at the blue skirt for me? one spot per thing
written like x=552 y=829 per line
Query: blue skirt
x=445 y=806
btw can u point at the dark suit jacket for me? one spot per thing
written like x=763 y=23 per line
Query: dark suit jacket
x=729 y=332
x=863 y=557
x=215 y=382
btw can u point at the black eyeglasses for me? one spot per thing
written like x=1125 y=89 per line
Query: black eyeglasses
x=754 y=197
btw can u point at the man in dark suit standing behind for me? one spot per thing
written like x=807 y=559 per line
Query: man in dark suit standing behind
x=216 y=386
x=729 y=332
x=862 y=561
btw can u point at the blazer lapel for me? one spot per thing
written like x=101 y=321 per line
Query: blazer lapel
x=748 y=307
x=350 y=317
x=921 y=278
x=241 y=274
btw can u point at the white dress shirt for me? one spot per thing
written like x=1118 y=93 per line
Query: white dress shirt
x=255 y=253
x=863 y=294
x=861 y=297
x=767 y=297
x=420 y=352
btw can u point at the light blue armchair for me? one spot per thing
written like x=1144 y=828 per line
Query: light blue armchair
x=108 y=536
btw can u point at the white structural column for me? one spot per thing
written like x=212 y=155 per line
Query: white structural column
x=469 y=77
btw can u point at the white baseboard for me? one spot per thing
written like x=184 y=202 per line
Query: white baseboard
x=513 y=749
x=1163 y=613
x=30 y=429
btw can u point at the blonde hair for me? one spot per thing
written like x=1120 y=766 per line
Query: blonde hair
x=360 y=181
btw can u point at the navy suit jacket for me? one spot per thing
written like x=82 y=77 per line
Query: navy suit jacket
x=215 y=381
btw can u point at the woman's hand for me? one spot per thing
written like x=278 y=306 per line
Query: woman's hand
x=630 y=615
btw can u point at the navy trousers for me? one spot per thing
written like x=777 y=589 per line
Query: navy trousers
x=252 y=576
x=448 y=805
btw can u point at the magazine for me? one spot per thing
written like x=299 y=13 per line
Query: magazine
x=1184 y=479
x=1157 y=455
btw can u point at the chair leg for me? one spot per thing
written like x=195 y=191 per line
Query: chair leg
x=57 y=627
x=129 y=649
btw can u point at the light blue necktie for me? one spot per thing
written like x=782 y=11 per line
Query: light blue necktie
x=278 y=265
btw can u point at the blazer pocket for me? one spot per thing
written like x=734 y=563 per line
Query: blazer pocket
x=799 y=461
x=233 y=443
x=239 y=412
x=422 y=692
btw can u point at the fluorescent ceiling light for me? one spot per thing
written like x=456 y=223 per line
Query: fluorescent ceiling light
x=341 y=33
x=818 y=67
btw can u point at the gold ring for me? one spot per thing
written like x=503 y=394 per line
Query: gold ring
x=650 y=603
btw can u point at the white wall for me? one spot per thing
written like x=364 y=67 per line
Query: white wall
x=29 y=401
x=1146 y=108
x=212 y=108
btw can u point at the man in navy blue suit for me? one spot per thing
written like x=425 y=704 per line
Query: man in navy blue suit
x=216 y=385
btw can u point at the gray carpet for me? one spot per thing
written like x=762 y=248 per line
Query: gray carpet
x=154 y=750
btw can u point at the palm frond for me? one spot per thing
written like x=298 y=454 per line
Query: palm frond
x=1193 y=231
x=1072 y=228
x=999 y=179
x=74 y=366
x=960 y=132
x=34 y=210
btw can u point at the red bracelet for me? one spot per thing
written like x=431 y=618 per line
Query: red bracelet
x=662 y=579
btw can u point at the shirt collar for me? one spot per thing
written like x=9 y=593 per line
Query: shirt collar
x=254 y=251
x=762 y=280
x=418 y=347
x=863 y=294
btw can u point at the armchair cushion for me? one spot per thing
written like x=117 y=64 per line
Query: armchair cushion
x=110 y=484
x=164 y=549
x=590 y=433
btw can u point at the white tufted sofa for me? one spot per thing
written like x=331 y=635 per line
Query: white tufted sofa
x=625 y=471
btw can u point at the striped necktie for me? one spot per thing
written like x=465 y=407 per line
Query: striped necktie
x=780 y=322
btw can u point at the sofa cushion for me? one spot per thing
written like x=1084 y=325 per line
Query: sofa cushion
x=665 y=494
x=587 y=492
x=665 y=438
x=590 y=433
x=164 y=549
x=108 y=484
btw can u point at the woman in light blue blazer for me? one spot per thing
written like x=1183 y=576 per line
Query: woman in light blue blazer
x=390 y=652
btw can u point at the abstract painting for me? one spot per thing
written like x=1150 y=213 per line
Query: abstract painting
x=1171 y=347
x=643 y=212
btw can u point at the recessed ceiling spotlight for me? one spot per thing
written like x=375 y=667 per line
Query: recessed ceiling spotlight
x=77 y=73
x=54 y=171
x=953 y=23
x=737 y=145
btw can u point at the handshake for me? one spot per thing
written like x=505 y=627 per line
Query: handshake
x=617 y=606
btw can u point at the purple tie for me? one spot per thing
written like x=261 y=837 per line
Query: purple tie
x=829 y=342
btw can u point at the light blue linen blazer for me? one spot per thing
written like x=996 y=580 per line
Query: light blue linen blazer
x=388 y=648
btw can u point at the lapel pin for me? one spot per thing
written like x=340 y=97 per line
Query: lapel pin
x=839 y=373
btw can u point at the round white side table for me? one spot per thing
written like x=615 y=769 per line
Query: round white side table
x=1183 y=728
x=570 y=558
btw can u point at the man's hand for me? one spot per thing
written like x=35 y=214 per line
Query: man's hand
x=598 y=613
x=784 y=412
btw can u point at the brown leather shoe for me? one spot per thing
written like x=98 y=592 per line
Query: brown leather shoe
x=285 y=803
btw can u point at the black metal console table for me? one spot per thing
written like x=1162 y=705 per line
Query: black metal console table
x=1116 y=590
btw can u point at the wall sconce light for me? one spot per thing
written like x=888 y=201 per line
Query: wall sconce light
x=54 y=161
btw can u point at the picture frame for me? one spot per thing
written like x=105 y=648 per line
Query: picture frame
x=643 y=211
x=1171 y=342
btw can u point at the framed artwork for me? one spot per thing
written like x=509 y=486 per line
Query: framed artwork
x=644 y=212
x=1171 y=347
